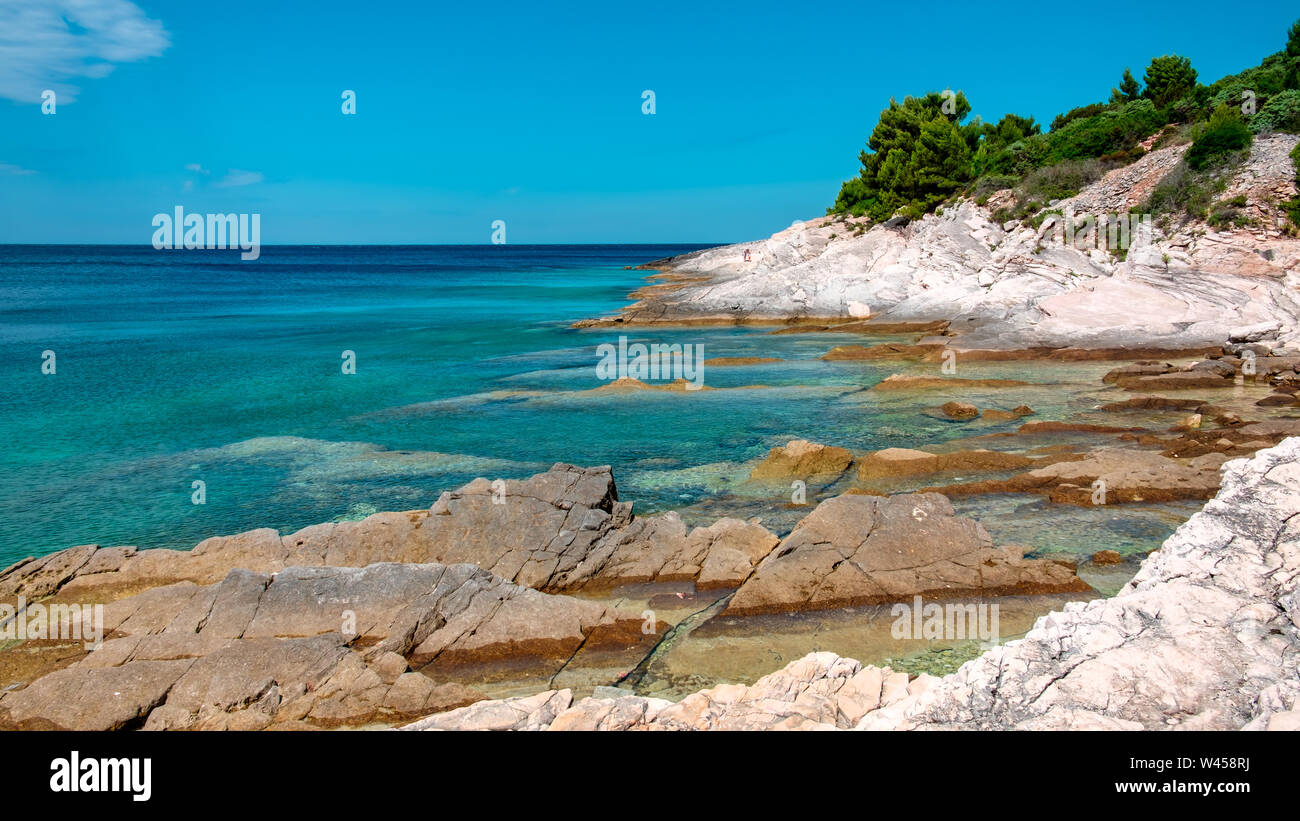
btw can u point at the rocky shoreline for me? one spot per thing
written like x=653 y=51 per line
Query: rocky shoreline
x=1207 y=636
x=528 y=585
x=541 y=603
x=510 y=602
x=361 y=622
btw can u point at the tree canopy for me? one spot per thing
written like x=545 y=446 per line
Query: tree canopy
x=922 y=152
x=1169 y=78
x=919 y=156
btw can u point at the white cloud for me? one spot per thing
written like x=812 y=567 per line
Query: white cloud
x=235 y=177
x=52 y=43
x=197 y=168
x=7 y=169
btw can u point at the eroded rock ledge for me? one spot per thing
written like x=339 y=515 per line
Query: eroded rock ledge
x=405 y=614
x=312 y=647
x=563 y=531
x=1207 y=636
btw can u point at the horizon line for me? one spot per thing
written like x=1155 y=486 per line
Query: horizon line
x=355 y=244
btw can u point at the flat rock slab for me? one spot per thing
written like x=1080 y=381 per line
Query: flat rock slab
x=857 y=549
x=1111 y=476
x=317 y=646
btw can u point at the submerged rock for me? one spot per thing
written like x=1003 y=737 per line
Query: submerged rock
x=999 y=415
x=899 y=462
x=960 y=411
x=901 y=382
x=801 y=459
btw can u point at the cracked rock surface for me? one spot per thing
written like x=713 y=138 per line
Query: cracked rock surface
x=1206 y=636
x=856 y=549
x=559 y=531
x=314 y=646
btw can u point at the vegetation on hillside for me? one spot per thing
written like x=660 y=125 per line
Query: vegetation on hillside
x=922 y=152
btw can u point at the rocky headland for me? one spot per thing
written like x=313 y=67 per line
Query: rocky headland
x=963 y=281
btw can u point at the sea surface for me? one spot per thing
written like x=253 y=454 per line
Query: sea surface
x=177 y=367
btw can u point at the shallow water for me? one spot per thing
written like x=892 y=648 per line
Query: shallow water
x=177 y=367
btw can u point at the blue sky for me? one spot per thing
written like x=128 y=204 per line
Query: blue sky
x=526 y=112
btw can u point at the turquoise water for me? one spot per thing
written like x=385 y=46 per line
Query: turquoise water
x=174 y=367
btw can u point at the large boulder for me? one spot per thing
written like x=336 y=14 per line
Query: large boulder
x=801 y=459
x=857 y=549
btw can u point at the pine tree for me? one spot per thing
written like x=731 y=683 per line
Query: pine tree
x=1168 y=78
x=1293 y=56
x=1129 y=87
x=918 y=156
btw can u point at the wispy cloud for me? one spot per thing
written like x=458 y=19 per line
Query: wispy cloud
x=10 y=170
x=52 y=43
x=196 y=168
x=235 y=177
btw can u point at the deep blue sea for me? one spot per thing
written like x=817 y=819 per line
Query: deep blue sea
x=179 y=366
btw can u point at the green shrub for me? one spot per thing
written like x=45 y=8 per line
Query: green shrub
x=1225 y=213
x=1280 y=113
x=1225 y=135
x=1115 y=129
x=1079 y=113
x=1056 y=182
x=1185 y=192
x=1018 y=158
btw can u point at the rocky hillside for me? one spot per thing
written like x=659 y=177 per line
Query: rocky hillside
x=1018 y=284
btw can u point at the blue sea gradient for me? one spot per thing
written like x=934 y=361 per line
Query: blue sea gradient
x=176 y=367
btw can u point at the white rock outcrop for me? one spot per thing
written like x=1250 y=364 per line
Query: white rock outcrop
x=1014 y=285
